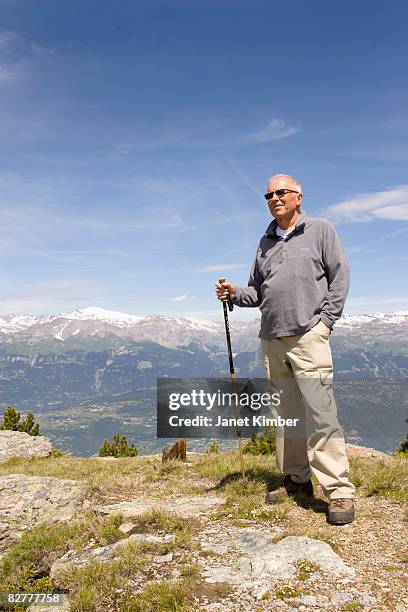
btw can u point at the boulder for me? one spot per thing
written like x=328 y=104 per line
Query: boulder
x=101 y=554
x=261 y=558
x=186 y=507
x=27 y=501
x=21 y=444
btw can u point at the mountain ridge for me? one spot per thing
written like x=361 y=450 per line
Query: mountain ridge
x=179 y=331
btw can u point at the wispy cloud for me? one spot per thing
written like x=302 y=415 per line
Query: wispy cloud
x=244 y=177
x=391 y=205
x=183 y=298
x=276 y=129
x=204 y=136
x=13 y=45
x=222 y=267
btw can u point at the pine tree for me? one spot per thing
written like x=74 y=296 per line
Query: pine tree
x=29 y=426
x=104 y=451
x=213 y=448
x=11 y=421
x=403 y=447
x=118 y=448
x=115 y=446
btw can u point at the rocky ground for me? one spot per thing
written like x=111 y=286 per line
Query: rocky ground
x=238 y=554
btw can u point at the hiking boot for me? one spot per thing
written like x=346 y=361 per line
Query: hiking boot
x=341 y=511
x=289 y=488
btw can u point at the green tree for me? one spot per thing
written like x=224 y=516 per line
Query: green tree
x=213 y=448
x=403 y=447
x=118 y=448
x=261 y=444
x=105 y=449
x=11 y=421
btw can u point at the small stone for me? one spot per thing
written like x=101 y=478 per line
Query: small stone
x=342 y=598
x=146 y=537
x=163 y=558
x=307 y=600
x=128 y=528
x=366 y=600
x=220 y=549
x=62 y=605
x=260 y=591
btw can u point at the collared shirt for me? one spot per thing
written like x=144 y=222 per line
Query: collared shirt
x=299 y=280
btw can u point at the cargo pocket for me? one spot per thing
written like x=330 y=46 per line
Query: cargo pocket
x=316 y=351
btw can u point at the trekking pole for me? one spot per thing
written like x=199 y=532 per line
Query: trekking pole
x=231 y=367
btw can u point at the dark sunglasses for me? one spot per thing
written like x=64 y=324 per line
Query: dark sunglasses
x=279 y=193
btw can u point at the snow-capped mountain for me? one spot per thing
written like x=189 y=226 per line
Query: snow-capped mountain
x=347 y=321
x=94 y=313
x=104 y=325
x=57 y=362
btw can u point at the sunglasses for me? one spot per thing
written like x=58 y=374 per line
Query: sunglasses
x=279 y=193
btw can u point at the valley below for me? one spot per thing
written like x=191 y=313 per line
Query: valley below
x=87 y=378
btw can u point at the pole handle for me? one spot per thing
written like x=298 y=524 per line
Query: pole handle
x=221 y=280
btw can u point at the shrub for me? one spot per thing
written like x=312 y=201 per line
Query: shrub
x=213 y=448
x=263 y=444
x=118 y=448
x=403 y=447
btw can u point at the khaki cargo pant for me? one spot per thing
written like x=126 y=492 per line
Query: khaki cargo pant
x=301 y=368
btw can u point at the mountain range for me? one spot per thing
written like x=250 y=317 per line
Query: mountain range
x=104 y=364
x=82 y=327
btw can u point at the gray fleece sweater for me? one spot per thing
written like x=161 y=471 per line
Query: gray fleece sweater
x=299 y=280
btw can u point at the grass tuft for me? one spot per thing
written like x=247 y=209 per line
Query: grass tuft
x=305 y=569
x=384 y=477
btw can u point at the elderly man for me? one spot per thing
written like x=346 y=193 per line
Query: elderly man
x=300 y=280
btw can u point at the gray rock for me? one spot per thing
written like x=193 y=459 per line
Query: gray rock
x=128 y=528
x=21 y=444
x=312 y=600
x=186 y=507
x=279 y=559
x=219 y=549
x=27 y=501
x=367 y=600
x=224 y=573
x=260 y=591
x=102 y=554
x=342 y=598
x=264 y=561
x=163 y=558
x=146 y=537
x=61 y=606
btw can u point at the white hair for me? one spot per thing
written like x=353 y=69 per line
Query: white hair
x=292 y=178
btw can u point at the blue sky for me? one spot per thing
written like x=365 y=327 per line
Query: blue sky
x=137 y=138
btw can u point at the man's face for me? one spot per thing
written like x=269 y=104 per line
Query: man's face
x=286 y=205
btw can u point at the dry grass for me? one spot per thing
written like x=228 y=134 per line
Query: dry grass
x=385 y=477
x=106 y=586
